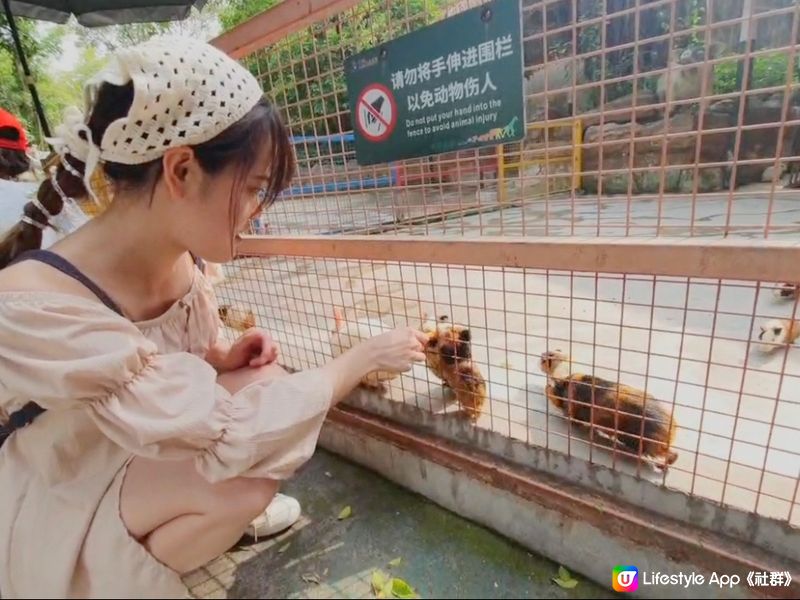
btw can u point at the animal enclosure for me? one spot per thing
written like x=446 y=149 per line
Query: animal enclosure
x=645 y=232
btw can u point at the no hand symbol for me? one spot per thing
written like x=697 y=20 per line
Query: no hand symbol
x=376 y=112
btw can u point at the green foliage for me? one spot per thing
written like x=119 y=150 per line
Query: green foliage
x=305 y=72
x=725 y=77
x=234 y=12
x=39 y=47
x=768 y=70
x=199 y=24
x=61 y=89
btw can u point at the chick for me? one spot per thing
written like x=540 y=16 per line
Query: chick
x=236 y=318
x=347 y=334
x=448 y=355
x=617 y=411
x=776 y=333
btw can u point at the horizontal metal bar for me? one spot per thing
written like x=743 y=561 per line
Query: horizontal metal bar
x=335 y=138
x=545 y=160
x=756 y=260
x=353 y=185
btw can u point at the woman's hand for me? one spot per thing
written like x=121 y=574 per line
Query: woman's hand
x=254 y=348
x=396 y=351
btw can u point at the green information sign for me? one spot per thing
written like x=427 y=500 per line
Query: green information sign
x=454 y=85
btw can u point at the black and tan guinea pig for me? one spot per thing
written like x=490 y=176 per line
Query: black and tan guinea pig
x=787 y=291
x=615 y=409
x=776 y=333
x=448 y=355
x=237 y=318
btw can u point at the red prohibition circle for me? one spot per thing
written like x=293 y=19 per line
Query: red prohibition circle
x=393 y=120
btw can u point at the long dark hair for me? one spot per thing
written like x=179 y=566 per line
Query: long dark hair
x=237 y=146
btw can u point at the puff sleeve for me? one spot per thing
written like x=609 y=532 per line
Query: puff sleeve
x=72 y=353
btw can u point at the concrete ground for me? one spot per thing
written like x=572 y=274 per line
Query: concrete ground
x=750 y=212
x=441 y=555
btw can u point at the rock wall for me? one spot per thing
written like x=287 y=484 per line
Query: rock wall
x=608 y=146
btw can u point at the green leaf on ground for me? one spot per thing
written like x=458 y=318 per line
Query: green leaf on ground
x=400 y=589
x=565 y=579
x=379 y=583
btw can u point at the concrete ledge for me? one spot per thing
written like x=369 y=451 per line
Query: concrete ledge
x=585 y=530
x=771 y=535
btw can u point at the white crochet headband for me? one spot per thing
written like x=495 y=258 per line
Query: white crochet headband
x=185 y=92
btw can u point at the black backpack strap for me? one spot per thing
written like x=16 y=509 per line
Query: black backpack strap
x=19 y=419
x=25 y=415
x=62 y=264
x=199 y=263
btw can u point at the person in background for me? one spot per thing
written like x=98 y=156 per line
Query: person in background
x=15 y=162
x=14 y=147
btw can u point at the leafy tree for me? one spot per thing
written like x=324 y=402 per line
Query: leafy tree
x=234 y=12
x=304 y=73
x=39 y=47
x=200 y=25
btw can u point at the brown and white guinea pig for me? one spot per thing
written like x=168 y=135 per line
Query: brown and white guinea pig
x=617 y=410
x=786 y=291
x=776 y=333
x=448 y=355
x=237 y=318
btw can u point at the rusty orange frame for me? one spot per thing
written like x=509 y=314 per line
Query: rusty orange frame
x=756 y=260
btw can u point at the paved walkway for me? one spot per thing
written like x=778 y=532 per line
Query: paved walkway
x=442 y=555
x=750 y=212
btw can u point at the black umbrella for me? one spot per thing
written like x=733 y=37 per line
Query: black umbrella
x=90 y=13
x=99 y=13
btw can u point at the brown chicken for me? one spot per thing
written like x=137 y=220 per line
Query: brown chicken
x=625 y=415
x=448 y=355
x=237 y=318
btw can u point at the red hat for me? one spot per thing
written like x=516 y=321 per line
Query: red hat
x=9 y=120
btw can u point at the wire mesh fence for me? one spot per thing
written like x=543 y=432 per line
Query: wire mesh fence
x=671 y=117
x=692 y=346
x=664 y=119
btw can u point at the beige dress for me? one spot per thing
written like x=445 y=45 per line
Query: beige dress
x=114 y=390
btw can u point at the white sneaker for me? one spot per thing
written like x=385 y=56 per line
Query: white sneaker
x=282 y=513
